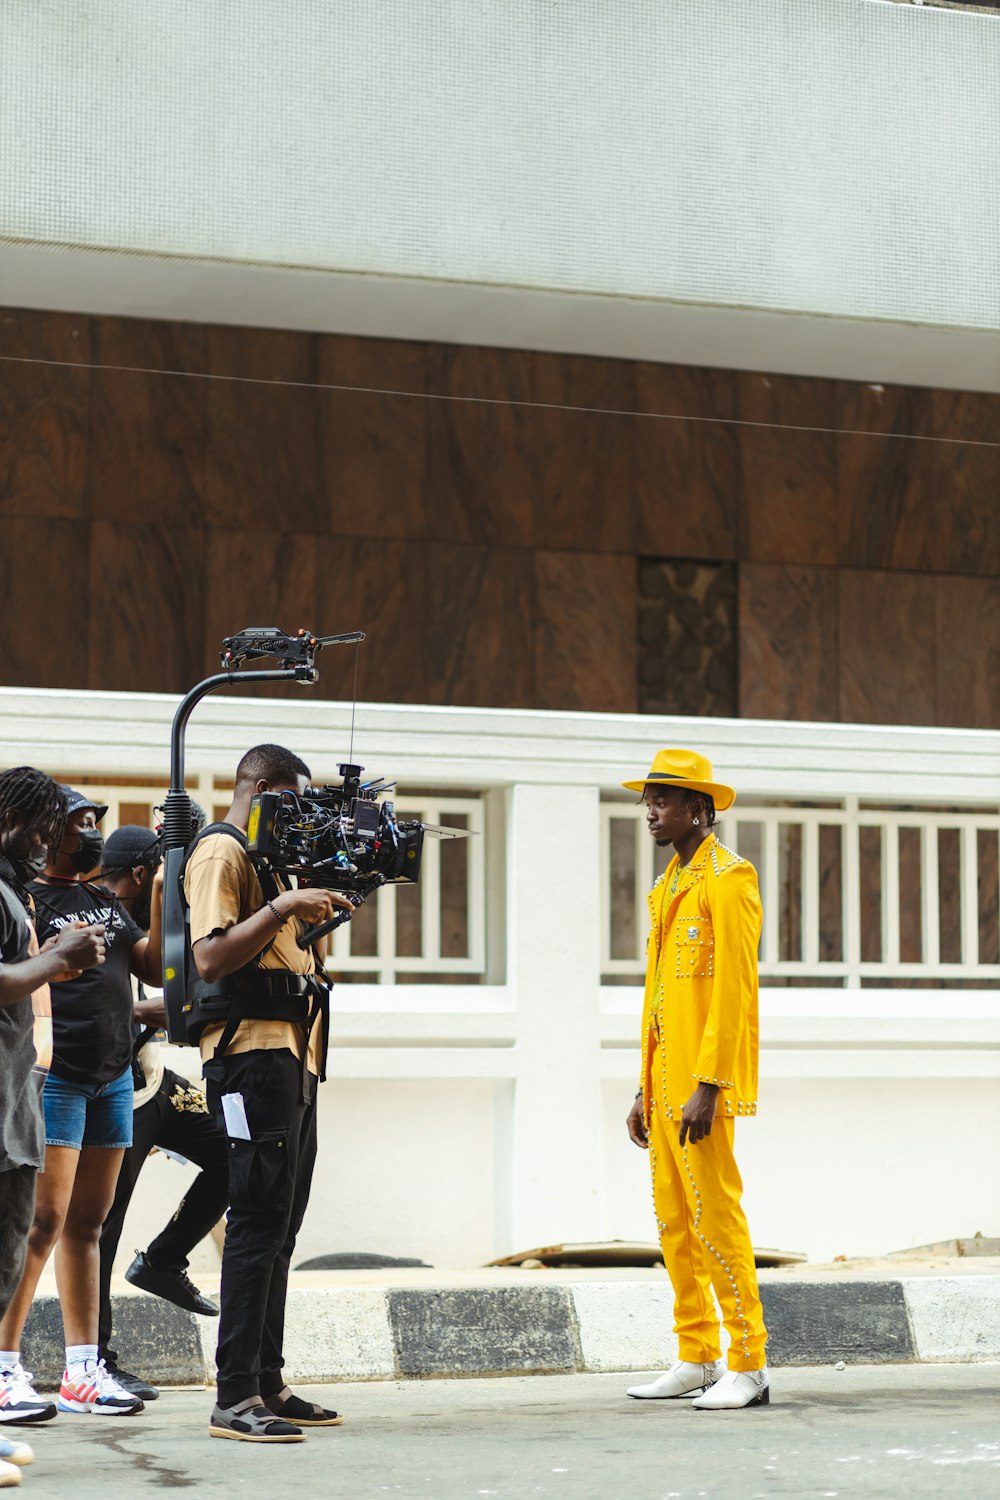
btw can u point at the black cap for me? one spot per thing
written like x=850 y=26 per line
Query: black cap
x=131 y=846
x=79 y=801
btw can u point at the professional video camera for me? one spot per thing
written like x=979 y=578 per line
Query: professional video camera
x=342 y=838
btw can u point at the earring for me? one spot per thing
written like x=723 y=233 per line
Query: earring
x=696 y=821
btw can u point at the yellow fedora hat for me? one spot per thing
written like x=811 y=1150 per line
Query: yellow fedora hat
x=685 y=768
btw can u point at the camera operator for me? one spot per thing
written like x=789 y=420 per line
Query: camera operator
x=261 y=1072
x=32 y=815
x=88 y=1111
x=169 y=1112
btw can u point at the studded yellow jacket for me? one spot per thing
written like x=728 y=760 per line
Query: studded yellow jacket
x=700 y=1005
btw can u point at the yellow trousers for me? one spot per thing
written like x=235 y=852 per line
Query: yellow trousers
x=705 y=1240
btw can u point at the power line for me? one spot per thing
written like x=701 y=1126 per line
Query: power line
x=594 y=411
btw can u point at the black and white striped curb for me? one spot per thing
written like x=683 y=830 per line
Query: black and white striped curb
x=378 y=1333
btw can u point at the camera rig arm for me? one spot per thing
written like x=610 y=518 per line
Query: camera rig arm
x=296 y=654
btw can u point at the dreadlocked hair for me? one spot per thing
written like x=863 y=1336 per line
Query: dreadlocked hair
x=37 y=799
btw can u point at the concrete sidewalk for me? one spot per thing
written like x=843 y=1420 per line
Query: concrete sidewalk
x=875 y=1432
x=416 y=1324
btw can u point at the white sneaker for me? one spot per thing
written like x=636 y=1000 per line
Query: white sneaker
x=19 y=1401
x=9 y=1475
x=736 y=1389
x=685 y=1379
x=97 y=1390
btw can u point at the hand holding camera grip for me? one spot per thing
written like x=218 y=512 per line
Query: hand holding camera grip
x=313 y=934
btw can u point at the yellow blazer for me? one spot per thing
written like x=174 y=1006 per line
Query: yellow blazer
x=700 y=1003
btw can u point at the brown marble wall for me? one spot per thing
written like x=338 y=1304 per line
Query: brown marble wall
x=484 y=515
x=789 y=642
x=869 y=646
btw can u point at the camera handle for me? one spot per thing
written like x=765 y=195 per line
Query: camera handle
x=313 y=934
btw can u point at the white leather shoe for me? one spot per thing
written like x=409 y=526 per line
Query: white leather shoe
x=685 y=1379
x=736 y=1389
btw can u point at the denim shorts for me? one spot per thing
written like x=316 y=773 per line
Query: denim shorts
x=89 y=1114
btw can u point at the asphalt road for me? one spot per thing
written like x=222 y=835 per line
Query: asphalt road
x=865 y=1431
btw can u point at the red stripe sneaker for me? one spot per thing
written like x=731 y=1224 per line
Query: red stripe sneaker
x=98 y=1391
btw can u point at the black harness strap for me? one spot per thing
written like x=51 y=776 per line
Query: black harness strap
x=273 y=994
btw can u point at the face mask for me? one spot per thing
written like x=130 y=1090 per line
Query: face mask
x=29 y=865
x=142 y=906
x=88 y=856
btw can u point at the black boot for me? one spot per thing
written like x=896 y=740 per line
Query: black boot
x=134 y=1384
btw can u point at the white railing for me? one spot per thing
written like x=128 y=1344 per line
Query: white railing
x=463 y=1088
x=436 y=928
x=850 y=893
x=443 y=918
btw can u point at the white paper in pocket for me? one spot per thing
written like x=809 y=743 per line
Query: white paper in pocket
x=235 y=1115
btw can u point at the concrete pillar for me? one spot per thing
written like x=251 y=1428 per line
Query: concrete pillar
x=553 y=957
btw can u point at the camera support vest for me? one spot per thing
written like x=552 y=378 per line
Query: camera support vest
x=252 y=993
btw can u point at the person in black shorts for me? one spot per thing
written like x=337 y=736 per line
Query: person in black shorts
x=88 y=1110
x=32 y=815
x=170 y=1112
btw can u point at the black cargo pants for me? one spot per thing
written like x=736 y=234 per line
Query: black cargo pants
x=269 y=1180
x=175 y=1117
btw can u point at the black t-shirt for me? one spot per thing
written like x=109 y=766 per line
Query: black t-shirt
x=22 y=1125
x=92 y=1014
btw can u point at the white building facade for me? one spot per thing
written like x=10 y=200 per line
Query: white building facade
x=808 y=186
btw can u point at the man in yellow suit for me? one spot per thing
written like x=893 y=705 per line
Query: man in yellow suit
x=699 y=1074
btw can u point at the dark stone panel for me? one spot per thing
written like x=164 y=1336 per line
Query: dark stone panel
x=148 y=430
x=789 y=511
x=147 y=628
x=480 y=626
x=910 y=504
x=44 y=573
x=887 y=648
x=873 y=472
x=380 y=587
x=373 y=447
x=330 y=585
x=687 y=637
x=968 y=415
x=585 y=631
x=483 y=1331
x=252 y=577
x=151 y=1336
x=534 y=474
x=479 y=476
x=789 y=642
x=262 y=455
x=687 y=473
x=581 y=462
x=44 y=414
x=860 y=1322
x=968 y=652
